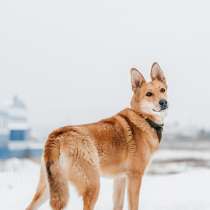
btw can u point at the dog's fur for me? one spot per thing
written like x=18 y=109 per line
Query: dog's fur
x=120 y=147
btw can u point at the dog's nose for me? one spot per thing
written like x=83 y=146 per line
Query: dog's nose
x=163 y=104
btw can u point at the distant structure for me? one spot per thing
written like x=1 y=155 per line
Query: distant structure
x=4 y=132
x=13 y=122
x=15 y=135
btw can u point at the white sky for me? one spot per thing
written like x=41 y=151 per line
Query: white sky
x=70 y=60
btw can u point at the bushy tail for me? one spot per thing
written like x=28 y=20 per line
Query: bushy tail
x=58 y=185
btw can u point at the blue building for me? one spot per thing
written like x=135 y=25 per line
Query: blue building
x=14 y=124
x=15 y=131
x=18 y=125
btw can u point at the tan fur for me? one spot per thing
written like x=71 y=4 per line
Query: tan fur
x=120 y=147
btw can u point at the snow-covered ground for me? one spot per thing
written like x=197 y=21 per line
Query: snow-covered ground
x=188 y=190
x=172 y=161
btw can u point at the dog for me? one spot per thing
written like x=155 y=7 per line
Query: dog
x=120 y=147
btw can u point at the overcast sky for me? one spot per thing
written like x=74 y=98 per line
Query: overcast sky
x=70 y=60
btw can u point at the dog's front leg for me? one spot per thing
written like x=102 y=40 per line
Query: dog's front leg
x=119 y=193
x=134 y=184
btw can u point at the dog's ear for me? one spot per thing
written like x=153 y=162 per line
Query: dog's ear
x=157 y=73
x=137 y=79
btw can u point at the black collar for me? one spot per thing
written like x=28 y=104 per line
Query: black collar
x=158 y=128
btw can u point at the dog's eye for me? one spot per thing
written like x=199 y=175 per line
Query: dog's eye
x=149 y=94
x=162 y=90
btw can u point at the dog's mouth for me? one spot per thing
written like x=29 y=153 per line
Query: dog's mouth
x=160 y=110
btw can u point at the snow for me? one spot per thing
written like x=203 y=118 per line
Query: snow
x=18 y=125
x=167 y=154
x=18 y=145
x=184 y=191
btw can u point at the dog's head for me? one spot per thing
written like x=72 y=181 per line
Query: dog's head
x=150 y=98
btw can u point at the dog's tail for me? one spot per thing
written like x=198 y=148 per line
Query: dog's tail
x=58 y=185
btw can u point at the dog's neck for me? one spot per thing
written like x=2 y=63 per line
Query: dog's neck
x=152 y=121
x=158 y=128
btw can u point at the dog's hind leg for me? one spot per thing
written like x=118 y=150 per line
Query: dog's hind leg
x=90 y=194
x=90 y=197
x=86 y=178
x=41 y=194
x=119 y=193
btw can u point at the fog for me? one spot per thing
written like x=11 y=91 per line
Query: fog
x=70 y=60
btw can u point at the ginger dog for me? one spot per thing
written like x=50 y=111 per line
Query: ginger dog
x=120 y=147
